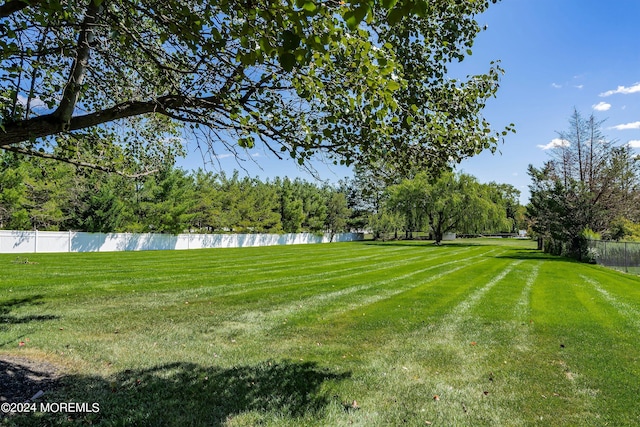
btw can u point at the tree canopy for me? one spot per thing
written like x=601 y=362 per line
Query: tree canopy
x=115 y=84
x=48 y=195
x=589 y=184
x=450 y=203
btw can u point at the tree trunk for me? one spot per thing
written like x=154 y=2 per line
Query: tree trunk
x=438 y=236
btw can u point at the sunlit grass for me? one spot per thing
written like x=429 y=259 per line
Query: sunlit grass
x=480 y=332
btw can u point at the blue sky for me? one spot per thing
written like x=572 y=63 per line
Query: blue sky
x=558 y=55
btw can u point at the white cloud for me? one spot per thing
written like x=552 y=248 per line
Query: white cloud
x=579 y=86
x=556 y=85
x=635 y=143
x=555 y=143
x=623 y=90
x=601 y=106
x=35 y=102
x=626 y=126
x=224 y=156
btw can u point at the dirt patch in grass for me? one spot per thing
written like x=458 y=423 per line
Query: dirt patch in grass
x=22 y=378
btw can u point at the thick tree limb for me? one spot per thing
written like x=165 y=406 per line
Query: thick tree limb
x=72 y=90
x=43 y=126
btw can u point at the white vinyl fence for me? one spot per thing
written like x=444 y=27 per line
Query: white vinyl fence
x=70 y=241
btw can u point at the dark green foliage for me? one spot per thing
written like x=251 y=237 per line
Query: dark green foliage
x=589 y=184
x=451 y=203
x=13 y=194
x=559 y=214
x=337 y=214
x=291 y=213
x=104 y=212
x=54 y=196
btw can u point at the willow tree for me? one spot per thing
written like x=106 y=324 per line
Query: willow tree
x=114 y=83
x=459 y=203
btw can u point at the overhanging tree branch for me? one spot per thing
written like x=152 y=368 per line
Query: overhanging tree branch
x=306 y=80
x=79 y=163
x=51 y=124
x=12 y=6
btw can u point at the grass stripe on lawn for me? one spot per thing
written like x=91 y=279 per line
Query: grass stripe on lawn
x=361 y=333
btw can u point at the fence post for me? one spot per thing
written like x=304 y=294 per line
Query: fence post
x=626 y=263
x=35 y=243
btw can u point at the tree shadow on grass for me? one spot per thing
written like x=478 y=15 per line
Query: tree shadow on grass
x=409 y=243
x=459 y=243
x=7 y=318
x=535 y=254
x=189 y=394
x=21 y=378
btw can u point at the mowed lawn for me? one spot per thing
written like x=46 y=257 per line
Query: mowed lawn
x=478 y=332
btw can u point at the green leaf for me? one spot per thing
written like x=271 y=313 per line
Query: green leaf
x=350 y=18
x=309 y=6
x=393 y=85
x=290 y=40
x=247 y=142
x=420 y=9
x=355 y=17
x=288 y=61
x=388 y=4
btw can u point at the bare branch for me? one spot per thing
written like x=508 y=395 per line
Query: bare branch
x=94 y=166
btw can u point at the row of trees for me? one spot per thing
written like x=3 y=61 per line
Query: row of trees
x=45 y=195
x=56 y=196
x=590 y=187
x=436 y=205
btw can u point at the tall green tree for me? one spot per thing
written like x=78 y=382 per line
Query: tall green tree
x=50 y=193
x=409 y=199
x=337 y=214
x=258 y=207
x=291 y=212
x=559 y=213
x=207 y=207
x=508 y=196
x=385 y=224
x=13 y=193
x=457 y=202
x=162 y=203
x=589 y=183
x=314 y=205
x=104 y=213
x=95 y=201
x=453 y=202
